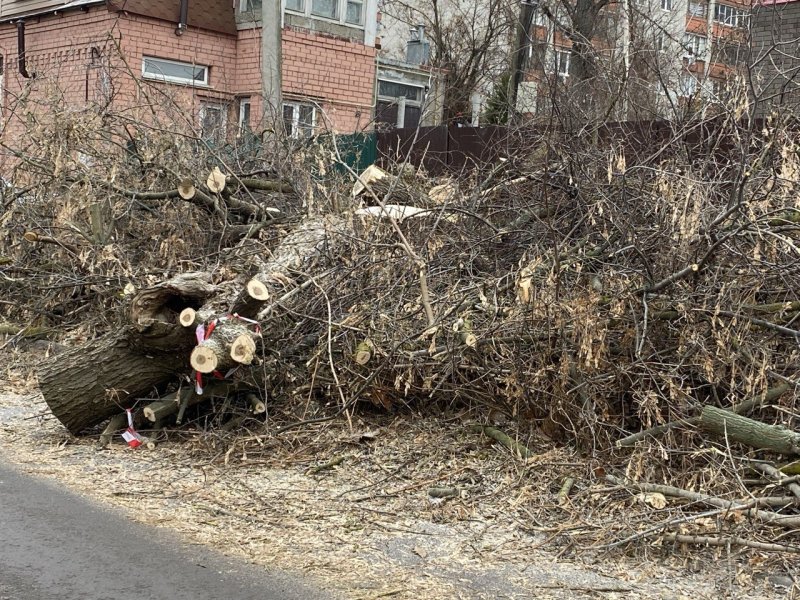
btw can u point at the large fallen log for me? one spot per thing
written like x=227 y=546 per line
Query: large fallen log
x=87 y=384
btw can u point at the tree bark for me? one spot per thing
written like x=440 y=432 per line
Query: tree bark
x=86 y=385
x=748 y=431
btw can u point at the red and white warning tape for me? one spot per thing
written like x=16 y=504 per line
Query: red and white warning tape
x=203 y=332
x=130 y=435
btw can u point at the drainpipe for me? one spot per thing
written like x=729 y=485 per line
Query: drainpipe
x=23 y=69
x=182 y=19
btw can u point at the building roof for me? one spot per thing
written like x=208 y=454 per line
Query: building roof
x=213 y=15
x=19 y=10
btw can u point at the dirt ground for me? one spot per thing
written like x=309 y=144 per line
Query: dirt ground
x=369 y=526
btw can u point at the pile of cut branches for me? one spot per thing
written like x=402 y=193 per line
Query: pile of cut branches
x=616 y=296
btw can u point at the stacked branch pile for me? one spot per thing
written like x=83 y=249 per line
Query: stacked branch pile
x=591 y=292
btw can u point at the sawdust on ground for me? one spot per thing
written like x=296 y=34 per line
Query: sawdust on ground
x=368 y=526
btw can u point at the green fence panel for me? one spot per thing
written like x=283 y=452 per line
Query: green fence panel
x=357 y=150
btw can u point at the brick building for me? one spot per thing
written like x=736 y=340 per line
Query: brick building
x=775 y=35
x=676 y=51
x=204 y=55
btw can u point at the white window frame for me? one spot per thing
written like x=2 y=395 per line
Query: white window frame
x=666 y=5
x=560 y=61
x=171 y=78
x=296 y=117
x=539 y=18
x=733 y=17
x=702 y=13
x=341 y=12
x=244 y=6
x=363 y=4
x=242 y=125
x=409 y=101
x=222 y=107
x=402 y=101
x=689 y=84
x=694 y=45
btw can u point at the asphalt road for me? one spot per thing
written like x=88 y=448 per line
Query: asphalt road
x=56 y=545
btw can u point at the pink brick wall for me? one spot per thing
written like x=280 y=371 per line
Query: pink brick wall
x=338 y=75
x=140 y=36
x=58 y=51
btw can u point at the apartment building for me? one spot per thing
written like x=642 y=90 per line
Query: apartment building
x=775 y=33
x=205 y=55
x=673 y=51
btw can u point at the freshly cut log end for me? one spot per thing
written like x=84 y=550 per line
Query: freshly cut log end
x=159 y=409
x=203 y=360
x=363 y=353
x=257 y=290
x=243 y=349
x=470 y=340
x=256 y=404
x=216 y=180
x=186 y=189
x=187 y=317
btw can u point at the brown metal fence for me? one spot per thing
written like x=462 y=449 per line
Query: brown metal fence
x=448 y=149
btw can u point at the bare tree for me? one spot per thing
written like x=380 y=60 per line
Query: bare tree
x=470 y=43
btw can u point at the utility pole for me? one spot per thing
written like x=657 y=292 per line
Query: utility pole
x=521 y=44
x=271 y=60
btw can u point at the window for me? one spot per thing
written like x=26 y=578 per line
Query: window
x=394 y=89
x=729 y=15
x=325 y=8
x=666 y=4
x=539 y=18
x=660 y=42
x=731 y=50
x=688 y=85
x=354 y=12
x=244 y=114
x=213 y=121
x=399 y=104
x=299 y=119
x=250 y=6
x=698 y=8
x=347 y=12
x=174 y=71
x=694 y=45
x=722 y=87
x=561 y=62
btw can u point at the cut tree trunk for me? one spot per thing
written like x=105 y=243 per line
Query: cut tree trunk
x=231 y=342
x=86 y=385
x=295 y=254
